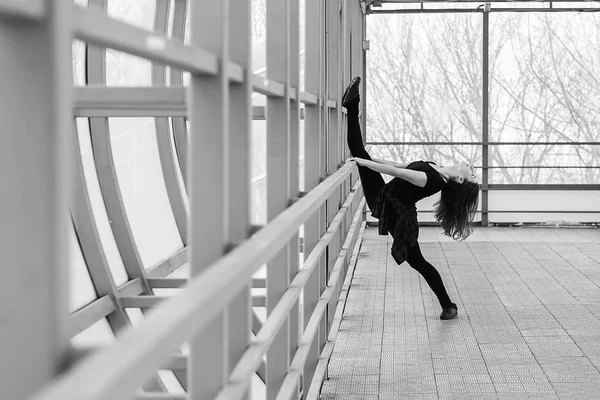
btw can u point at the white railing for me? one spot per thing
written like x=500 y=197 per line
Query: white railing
x=119 y=370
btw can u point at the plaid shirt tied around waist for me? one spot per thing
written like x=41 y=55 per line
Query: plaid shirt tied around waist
x=400 y=220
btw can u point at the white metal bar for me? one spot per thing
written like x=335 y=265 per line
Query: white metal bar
x=167 y=283
x=267 y=87
x=92 y=25
x=167 y=101
x=169 y=265
x=27 y=9
x=238 y=175
x=179 y=124
x=136 y=355
x=309 y=98
x=102 y=101
x=294 y=163
x=105 y=167
x=164 y=138
x=209 y=123
x=313 y=167
x=278 y=182
x=35 y=98
x=89 y=238
x=334 y=122
x=87 y=316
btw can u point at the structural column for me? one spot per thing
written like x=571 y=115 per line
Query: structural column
x=36 y=117
x=209 y=131
x=485 y=124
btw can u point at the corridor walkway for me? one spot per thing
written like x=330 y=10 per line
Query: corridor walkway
x=528 y=326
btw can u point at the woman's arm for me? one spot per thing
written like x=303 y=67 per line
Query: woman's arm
x=393 y=164
x=417 y=178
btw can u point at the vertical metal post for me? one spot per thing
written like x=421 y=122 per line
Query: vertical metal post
x=294 y=161
x=333 y=133
x=238 y=171
x=313 y=166
x=485 y=115
x=37 y=128
x=278 y=180
x=209 y=124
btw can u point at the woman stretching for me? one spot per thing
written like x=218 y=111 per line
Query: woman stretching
x=394 y=203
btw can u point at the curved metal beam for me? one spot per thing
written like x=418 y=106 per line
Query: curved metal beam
x=164 y=138
x=179 y=125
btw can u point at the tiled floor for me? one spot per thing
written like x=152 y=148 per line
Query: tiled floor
x=528 y=326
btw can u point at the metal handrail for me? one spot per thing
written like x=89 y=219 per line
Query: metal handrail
x=117 y=371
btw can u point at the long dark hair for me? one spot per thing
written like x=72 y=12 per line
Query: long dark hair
x=456 y=208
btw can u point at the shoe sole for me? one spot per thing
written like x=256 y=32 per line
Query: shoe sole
x=355 y=82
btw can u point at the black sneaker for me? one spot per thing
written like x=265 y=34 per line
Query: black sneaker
x=449 y=313
x=351 y=94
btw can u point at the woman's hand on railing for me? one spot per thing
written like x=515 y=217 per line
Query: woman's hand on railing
x=359 y=161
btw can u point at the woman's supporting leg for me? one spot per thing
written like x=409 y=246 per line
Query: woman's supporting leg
x=371 y=181
x=416 y=260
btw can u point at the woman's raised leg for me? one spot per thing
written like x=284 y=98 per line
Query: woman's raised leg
x=371 y=181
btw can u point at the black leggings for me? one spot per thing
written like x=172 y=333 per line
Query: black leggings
x=372 y=182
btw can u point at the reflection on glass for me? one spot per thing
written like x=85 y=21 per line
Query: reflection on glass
x=81 y=288
x=142 y=186
x=135 y=12
x=111 y=251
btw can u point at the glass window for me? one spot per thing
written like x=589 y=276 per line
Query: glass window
x=135 y=12
x=259 y=37
x=142 y=186
x=126 y=70
x=425 y=78
x=258 y=168
x=544 y=88
x=107 y=238
x=79 y=63
x=81 y=288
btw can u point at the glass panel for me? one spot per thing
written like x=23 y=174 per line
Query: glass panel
x=81 y=288
x=259 y=37
x=135 y=12
x=97 y=335
x=142 y=185
x=424 y=78
x=78 y=63
x=126 y=70
x=545 y=89
x=258 y=169
x=123 y=69
x=544 y=200
x=105 y=232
